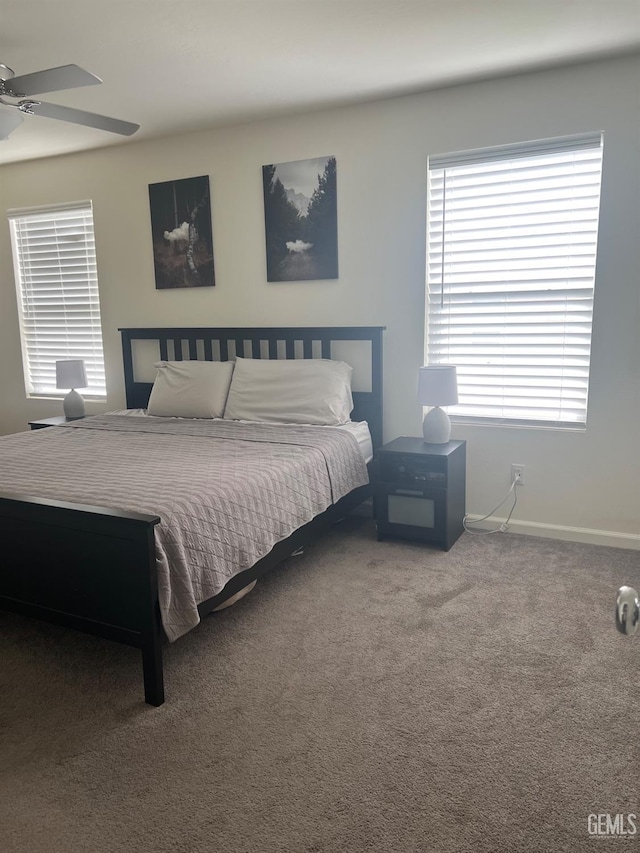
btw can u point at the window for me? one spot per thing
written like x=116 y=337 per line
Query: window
x=512 y=235
x=55 y=267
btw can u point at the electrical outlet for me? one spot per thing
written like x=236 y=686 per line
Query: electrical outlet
x=517 y=474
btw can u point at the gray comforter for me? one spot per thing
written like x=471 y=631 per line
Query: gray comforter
x=225 y=492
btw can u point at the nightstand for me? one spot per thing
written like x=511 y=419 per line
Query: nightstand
x=47 y=422
x=420 y=490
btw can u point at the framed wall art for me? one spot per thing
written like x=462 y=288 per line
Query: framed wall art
x=181 y=233
x=301 y=223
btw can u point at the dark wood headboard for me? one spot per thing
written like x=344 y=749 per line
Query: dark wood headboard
x=253 y=342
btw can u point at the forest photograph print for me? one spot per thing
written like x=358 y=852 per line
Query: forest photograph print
x=181 y=233
x=301 y=221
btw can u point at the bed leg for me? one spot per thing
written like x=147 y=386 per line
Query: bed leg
x=152 y=671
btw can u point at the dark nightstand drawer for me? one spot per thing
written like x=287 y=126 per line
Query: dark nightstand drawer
x=414 y=470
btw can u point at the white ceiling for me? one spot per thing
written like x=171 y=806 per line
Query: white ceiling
x=179 y=65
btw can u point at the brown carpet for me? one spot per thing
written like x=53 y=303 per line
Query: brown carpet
x=365 y=697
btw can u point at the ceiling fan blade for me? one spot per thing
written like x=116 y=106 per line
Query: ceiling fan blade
x=114 y=125
x=51 y=80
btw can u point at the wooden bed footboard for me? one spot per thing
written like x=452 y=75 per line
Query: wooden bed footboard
x=94 y=570
x=62 y=562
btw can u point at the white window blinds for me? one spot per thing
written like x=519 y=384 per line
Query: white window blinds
x=57 y=284
x=512 y=235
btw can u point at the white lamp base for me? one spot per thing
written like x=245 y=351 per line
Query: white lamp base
x=73 y=406
x=436 y=426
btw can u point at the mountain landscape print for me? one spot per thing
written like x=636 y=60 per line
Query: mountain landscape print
x=301 y=220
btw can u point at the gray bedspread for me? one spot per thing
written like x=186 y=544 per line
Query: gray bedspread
x=226 y=492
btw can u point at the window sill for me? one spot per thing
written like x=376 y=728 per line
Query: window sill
x=536 y=425
x=59 y=397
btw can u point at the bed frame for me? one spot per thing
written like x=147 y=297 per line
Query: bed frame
x=93 y=568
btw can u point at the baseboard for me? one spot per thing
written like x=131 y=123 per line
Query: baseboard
x=588 y=535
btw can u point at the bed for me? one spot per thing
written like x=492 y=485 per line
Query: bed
x=96 y=568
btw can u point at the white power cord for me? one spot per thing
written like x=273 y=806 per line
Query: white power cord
x=505 y=524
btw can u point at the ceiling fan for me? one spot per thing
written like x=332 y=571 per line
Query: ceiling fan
x=20 y=89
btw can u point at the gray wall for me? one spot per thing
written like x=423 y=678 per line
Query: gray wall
x=580 y=485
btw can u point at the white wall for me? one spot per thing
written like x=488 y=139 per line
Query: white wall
x=579 y=483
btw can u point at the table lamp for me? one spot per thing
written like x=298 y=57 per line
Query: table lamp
x=437 y=386
x=70 y=373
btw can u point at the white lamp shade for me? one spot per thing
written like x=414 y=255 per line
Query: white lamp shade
x=438 y=385
x=70 y=373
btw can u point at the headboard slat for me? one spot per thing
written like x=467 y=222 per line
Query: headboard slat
x=255 y=346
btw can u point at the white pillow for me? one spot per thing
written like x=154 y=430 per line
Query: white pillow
x=301 y=391
x=190 y=389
